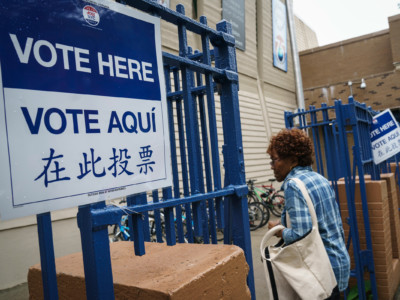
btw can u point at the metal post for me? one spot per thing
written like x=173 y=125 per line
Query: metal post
x=49 y=275
x=233 y=151
x=96 y=256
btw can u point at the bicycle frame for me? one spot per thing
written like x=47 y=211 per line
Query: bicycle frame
x=268 y=191
x=266 y=195
x=123 y=229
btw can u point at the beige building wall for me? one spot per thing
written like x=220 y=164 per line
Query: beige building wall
x=306 y=38
x=19 y=245
x=265 y=93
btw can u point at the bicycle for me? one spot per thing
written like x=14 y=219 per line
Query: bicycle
x=121 y=231
x=256 y=215
x=271 y=199
x=274 y=198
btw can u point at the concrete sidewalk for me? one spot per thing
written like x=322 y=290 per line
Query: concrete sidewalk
x=19 y=292
x=259 y=276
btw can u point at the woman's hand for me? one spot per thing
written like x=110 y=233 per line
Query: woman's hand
x=272 y=224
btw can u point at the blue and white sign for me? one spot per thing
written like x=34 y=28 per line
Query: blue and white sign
x=279 y=35
x=83 y=114
x=385 y=136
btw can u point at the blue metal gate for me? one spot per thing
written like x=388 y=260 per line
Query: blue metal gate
x=334 y=126
x=192 y=81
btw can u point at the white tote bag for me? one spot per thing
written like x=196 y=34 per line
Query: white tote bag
x=300 y=270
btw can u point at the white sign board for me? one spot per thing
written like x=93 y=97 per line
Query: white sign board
x=385 y=136
x=83 y=114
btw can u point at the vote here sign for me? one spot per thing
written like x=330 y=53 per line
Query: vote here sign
x=385 y=136
x=82 y=105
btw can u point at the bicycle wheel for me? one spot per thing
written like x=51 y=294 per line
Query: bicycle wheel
x=256 y=216
x=266 y=213
x=278 y=202
x=116 y=233
x=264 y=207
x=251 y=198
x=220 y=234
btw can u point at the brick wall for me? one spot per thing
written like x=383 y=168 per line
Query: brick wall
x=382 y=198
x=374 y=57
x=394 y=25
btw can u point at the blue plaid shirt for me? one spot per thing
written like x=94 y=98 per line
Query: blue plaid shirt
x=328 y=215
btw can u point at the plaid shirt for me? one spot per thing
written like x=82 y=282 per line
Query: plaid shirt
x=328 y=215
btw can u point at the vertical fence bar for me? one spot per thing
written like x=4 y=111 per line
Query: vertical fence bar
x=207 y=163
x=137 y=223
x=191 y=129
x=233 y=151
x=49 y=275
x=157 y=219
x=316 y=139
x=212 y=123
x=331 y=155
x=182 y=147
x=174 y=162
x=96 y=255
x=288 y=119
x=203 y=220
x=302 y=118
x=169 y=219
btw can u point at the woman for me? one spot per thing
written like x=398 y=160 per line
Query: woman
x=291 y=157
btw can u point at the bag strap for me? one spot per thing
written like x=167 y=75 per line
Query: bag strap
x=271 y=275
x=271 y=233
x=302 y=187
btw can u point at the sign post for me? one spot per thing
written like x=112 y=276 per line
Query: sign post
x=83 y=114
x=385 y=136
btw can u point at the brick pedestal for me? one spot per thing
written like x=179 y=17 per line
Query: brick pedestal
x=184 y=271
x=393 y=170
x=385 y=230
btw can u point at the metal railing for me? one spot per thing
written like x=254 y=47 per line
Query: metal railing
x=198 y=193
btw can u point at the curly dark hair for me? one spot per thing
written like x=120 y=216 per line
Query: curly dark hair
x=292 y=142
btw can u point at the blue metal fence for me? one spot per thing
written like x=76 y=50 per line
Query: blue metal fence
x=203 y=202
x=332 y=127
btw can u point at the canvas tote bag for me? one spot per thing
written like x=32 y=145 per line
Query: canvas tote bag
x=300 y=270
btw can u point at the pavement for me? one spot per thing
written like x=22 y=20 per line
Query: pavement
x=259 y=275
x=20 y=292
